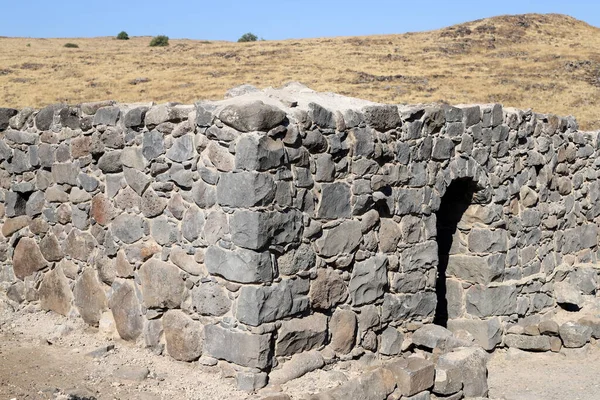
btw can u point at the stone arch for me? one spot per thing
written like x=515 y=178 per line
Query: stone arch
x=465 y=168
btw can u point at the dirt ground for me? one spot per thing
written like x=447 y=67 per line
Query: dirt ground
x=45 y=356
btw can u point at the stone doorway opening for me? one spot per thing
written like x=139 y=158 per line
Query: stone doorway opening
x=457 y=199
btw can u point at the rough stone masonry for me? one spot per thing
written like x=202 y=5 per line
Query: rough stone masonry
x=284 y=221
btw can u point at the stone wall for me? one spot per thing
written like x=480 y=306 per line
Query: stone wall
x=282 y=221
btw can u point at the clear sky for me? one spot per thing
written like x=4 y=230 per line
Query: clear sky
x=270 y=19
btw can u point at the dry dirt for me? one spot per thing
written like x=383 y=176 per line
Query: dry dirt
x=550 y=63
x=45 y=356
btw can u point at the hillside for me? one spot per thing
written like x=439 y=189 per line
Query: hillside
x=550 y=63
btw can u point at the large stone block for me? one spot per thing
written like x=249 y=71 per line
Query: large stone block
x=343 y=327
x=240 y=265
x=128 y=228
x=260 y=304
x=369 y=278
x=374 y=385
x=27 y=258
x=335 y=201
x=487 y=333
x=241 y=348
x=126 y=310
x=89 y=297
x=295 y=260
x=55 y=292
x=391 y=342
x=343 y=239
x=252 y=116
x=420 y=257
x=257 y=229
x=574 y=335
x=183 y=335
x=487 y=241
x=476 y=269
x=491 y=301
x=245 y=189
x=162 y=284
x=382 y=117
x=182 y=149
x=327 y=290
x=80 y=245
x=298 y=335
x=529 y=343
x=412 y=375
x=464 y=368
x=401 y=307
x=255 y=152
x=210 y=298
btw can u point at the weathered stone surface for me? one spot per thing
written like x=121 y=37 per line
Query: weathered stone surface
x=220 y=157
x=183 y=335
x=335 y=201
x=298 y=335
x=548 y=327
x=245 y=189
x=152 y=204
x=476 y=269
x=5 y=115
x=89 y=297
x=55 y=292
x=369 y=278
x=240 y=348
x=50 y=248
x=126 y=310
x=574 y=335
x=152 y=145
x=65 y=173
x=464 y=368
x=327 y=290
x=27 y=258
x=375 y=385
x=252 y=116
x=342 y=326
x=210 y=298
x=256 y=152
x=487 y=333
x=382 y=117
x=187 y=262
x=12 y=225
x=568 y=295
x=128 y=228
x=389 y=235
x=240 y=265
x=102 y=210
x=216 y=227
x=298 y=366
x=44 y=118
x=134 y=118
x=343 y=239
x=431 y=336
x=182 y=149
x=295 y=260
x=406 y=306
x=487 y=302
x=259 y=304
x=526 y=342
x=487 y=241
x=255 y=230
x=412 y=375
x=106 y=116
x=391 y=342
x=162 y=284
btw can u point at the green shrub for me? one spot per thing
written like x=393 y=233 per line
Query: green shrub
x=122 y=36
x=248 y=37
x=160 y=40
x=71 y=45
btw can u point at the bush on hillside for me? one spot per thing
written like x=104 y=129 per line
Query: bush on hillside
x=248 y=37
x=122 y=36
x=71 y=45
x=160 y=40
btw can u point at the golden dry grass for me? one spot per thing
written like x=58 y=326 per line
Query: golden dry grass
x=550 y=63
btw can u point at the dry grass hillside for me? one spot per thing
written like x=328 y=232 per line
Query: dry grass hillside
x=550 y=63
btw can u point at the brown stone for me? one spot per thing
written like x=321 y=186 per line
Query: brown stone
x=162 y=284
x=343 y=331
x=80 y=245
x=327 y=290
x=102 y=209
x=123 y=267
x=55 y=293
x=183 y=335
x=12 y=225
x=80 y=146
x=27 y=258
x=90 y=298
x=50 y=248
x=126 y=310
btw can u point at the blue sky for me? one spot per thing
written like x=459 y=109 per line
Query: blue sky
x=270 y=19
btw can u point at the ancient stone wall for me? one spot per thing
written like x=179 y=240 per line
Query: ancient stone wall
x=278 y=222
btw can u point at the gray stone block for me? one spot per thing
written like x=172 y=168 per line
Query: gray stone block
x=369 y=278
x=241 y=348
x=255 y=152
x=301 y=334
x=252 y=116
x=245 y=189
x=240 y=265
x=487 y=333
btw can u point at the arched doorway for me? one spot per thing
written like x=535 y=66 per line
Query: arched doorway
x=458 y=197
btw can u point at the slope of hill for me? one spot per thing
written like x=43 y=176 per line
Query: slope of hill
x=550 y=63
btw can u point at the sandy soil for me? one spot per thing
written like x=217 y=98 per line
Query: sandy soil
x=45 y=356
